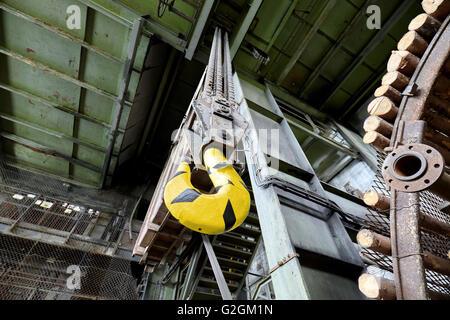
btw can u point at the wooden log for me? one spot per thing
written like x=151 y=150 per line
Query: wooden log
x=389 y=92
x=434 y=225
x=437 y=295
x=376 y=140
x=370 y=240
x=395 y=79
x=402 y=61
x=374 y=123
x=437 y=121
x=441 y=87
x=446 y=67
x=436 y=263
x=428 y=223
x=413 y=42
x=376 y=242
x=377 y=200
x=439 y=105
x=376 y=287
x=438 y=138
x=438 y=9
x=425 y=25
x=384 y=108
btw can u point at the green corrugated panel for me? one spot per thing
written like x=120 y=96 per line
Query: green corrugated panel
x=27 y=120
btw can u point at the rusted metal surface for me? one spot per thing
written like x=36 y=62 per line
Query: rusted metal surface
x=413 y=107
x=413 y=167
x=416 y=167
x=416 y=175
x=408 y=267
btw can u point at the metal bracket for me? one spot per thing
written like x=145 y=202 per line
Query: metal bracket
x=284 y=261
x=410 y=90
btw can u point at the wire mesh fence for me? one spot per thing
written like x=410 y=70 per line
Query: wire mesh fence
x=55 y=247
x=33 y=270
x=430 y=205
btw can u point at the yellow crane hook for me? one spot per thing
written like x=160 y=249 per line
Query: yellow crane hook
x=215 y=213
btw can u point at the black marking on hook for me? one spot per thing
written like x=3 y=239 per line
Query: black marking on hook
x=243 y=184
x=188 y=195
x=220 y=165
x=228 y=216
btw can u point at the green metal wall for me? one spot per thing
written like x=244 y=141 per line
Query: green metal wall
x=58 y=87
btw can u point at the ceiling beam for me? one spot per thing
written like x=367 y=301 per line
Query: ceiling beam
x=281 y=25
x=39 y=148
x=241 y=29
x=363 y=91
x=348 y=30
x=199 y=27
x=278 y=30
x=368 y=49
x=294 y=101
x=304 y=44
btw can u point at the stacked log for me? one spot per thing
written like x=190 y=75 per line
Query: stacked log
x=377 y=201
x=401 y=65
x=425 y=25
x=376 y=287
x=379 y=127
x=438 y=9
x=368 y=239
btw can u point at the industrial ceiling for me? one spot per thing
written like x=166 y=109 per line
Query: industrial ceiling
x=74 y=107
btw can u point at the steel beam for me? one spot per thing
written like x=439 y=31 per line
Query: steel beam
x=198 y=30
x=57 y=237
x=220 y=279
x=331 y=143
x=367 y=153
x=54 y=105
x=281 y=25
x=53 y=133
x=282 y=201
x=241 y=29
x=156 y=101
x=45 y=150
x=288 y=281
x=296 y=102
x=36 y=64
x=149 y=28
x=106 y=12
x=304 y=44
x=59 y=32
x=135 y=35
x=368 y=49
x=190 y=274
x=369 y=86
x=330 y=53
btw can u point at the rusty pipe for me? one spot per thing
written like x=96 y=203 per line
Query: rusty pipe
x=417 y=167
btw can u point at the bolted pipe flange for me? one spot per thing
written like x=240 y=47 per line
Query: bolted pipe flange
x=413 y=167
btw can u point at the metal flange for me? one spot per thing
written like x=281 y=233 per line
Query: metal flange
x=413 y=167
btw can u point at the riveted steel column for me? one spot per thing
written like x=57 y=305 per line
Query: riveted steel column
x=288 y=282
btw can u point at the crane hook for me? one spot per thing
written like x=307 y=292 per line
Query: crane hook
x=215 y=213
